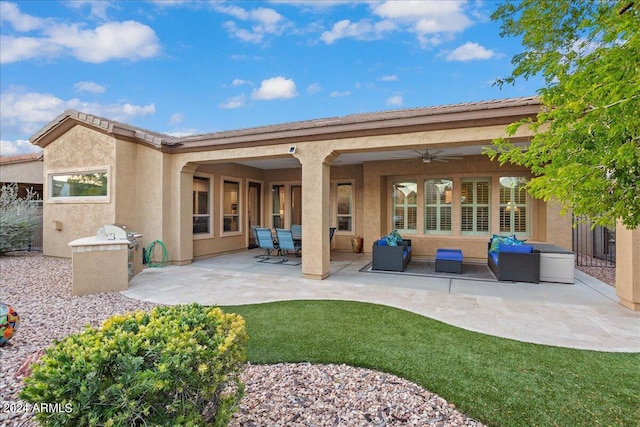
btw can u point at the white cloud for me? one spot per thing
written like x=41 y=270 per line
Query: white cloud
x=263 y=21
x=25 y=113
x=20 y=146
x=362 y=30
x=176 y=118
x=90 y=87
x=233 y=102
x=10 y=13
x=469 y=52
x=337 y=94
x=240 y=82
x=314 y=88
x=431 y=21
x=98 y=8
x=129 y=40
x=114 y=40
x=275 y=88
x=395 y=100
x=392 y=78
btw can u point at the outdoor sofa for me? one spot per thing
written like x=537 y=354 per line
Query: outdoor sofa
x=391 y=258
x=514 y=262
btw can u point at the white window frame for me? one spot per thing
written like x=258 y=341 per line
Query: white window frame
x=475 y=205
x=285 y=203
x=439 y=205
x=413 y=180
x=197 y=236
x=515 y=206
x=79 y=199
x=334 y=190
x=223 y=214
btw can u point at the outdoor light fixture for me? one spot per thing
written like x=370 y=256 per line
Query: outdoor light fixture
x=292 y=149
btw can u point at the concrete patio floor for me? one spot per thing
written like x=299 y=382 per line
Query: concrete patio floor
x=585 y=315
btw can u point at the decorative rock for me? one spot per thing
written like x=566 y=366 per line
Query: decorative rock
x=9 y=322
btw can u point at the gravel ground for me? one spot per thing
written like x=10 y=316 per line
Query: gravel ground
x=604 y=274
x=39 y=289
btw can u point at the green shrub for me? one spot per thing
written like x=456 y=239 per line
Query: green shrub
x=176 y=365
x=18 y=218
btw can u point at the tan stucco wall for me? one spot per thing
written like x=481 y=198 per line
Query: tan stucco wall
x=29 y=172
x=78 y=150
x=100 y=271
x=137 y=179
x=628 y=266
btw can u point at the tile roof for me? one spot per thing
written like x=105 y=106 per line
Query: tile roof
x=20 y=158
x=376 y=121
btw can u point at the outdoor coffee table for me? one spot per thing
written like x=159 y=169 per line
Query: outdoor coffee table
x=449 y=260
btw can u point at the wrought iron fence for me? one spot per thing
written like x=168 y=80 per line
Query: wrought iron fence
x=594 y=246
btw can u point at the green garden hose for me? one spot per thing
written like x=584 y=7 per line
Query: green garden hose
x=149 y=253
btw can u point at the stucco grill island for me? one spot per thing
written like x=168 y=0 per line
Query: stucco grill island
x=107 y=261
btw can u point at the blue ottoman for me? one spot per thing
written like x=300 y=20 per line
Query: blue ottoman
x=449 y=261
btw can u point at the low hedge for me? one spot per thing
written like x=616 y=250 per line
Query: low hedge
x=174 y=365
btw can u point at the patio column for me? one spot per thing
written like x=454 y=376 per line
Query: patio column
x=180 y=247
x=316 y=176
x=627 y=266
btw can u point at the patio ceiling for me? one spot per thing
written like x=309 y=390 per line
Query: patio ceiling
x=360 y=157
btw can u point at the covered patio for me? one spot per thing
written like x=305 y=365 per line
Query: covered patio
x=585 y=315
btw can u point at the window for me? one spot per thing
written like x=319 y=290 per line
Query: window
x=231 y=206
x=277 y=206
x=437 y=206
x=513 y=205
x=405 y=206
x=475 y=199
x=344 y=205
x=88 y=185
x=201 y=206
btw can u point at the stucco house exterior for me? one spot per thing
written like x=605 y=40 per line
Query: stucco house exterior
x=419 y=171
x=24 y=170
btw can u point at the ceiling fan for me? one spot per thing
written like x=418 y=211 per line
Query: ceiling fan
x=428 y=157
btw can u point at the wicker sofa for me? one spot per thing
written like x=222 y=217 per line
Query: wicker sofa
x=515 y=263
x=391 y=258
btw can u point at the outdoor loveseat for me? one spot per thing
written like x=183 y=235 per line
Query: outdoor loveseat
x=514 y=262
x=391 y=258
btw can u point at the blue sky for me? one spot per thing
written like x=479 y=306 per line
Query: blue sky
x=189 y=67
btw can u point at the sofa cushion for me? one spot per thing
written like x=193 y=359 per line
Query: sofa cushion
x=523 y=249
x=495 y=257
x=496 y=240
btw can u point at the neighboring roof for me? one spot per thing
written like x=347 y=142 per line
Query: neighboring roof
x=385 y=122
x=20 y=158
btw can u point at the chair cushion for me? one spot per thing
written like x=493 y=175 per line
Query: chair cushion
x=523 y=249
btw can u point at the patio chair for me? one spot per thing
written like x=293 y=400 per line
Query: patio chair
x=286 y=244
x=265 y=241
x=296 y=231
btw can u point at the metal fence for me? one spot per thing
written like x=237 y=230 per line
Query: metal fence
x=36 y=240
x=594 y=246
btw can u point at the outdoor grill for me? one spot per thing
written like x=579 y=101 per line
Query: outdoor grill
x=122 y=232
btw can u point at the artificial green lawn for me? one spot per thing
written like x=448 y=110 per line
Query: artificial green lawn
x=497 y=381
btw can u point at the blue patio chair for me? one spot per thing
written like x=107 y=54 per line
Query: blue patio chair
x=296 y=231
x=265 y=241
x=286 y=243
